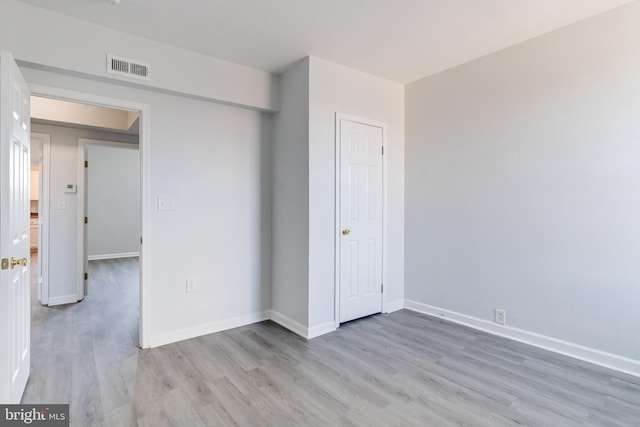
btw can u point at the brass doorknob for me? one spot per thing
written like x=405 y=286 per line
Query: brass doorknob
x=345 y=231
x=20 y=261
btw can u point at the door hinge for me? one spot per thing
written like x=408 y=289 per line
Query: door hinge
x=86 y=276
x=86 y=163
x=5 y=263
x=382 y=288
x=140 y=239
x=86 y=220
x=383 y=150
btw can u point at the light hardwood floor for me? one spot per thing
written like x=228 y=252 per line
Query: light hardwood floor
x=398 y=369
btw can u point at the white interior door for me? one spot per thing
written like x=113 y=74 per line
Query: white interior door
x=15 y=324
x=360 y=187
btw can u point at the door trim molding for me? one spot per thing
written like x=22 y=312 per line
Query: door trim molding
x=336 y=271
x=145 y=147
x=82 y=197
x=43 y=216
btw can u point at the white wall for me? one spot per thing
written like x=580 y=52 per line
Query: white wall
x=304 y=188
x=214 y=161
x=335 y=88
x=113 y=201
x=63 y=222
x=81 y=47
x=291 y=199
x=522 y=185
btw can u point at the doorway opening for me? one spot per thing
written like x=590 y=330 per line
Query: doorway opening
x=105 y=260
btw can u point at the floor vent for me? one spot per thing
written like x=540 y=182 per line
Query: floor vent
x=128 y=67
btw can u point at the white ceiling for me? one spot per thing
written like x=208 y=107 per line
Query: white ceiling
x=402 y=40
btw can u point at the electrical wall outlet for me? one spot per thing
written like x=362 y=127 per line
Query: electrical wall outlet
x=500 y=317
x=191 y=286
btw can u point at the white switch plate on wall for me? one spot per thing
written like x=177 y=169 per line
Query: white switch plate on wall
x=165 y=202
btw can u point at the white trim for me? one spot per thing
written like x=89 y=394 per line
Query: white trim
x=145 y=148
x=235 y=322
x=65 y=299
x=390 y=307
x=81 y=235
x=324 y=328
x=82 y=246
x=113 y=256
x=300 y=329
x=598 y=357
x=144 y=142
x=207 y=328
x=106 y=143
x=43 y=216
x=288 y=323
x=336 y=270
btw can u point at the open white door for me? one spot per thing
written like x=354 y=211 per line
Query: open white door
x=360 y=217
x=15 y=308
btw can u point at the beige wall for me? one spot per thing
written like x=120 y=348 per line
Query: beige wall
x=81 y=114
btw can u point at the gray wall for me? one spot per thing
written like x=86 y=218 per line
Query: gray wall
x=113 y=201
x=522 y=185
x=291 y=197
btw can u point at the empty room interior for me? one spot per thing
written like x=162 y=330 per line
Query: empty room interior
x=353 y=213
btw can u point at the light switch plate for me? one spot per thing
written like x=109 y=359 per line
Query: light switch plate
x=165 y=202
x=191 y=286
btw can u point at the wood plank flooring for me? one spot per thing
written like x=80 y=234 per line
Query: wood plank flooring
x=403 y=369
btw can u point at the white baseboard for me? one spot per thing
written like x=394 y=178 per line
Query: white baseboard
x=288 y=323
x=607 y=360
x=113 y=256
x=324 y=328
x=222 y=325
x=207 y=328
x=392 y=306
x=65 y=299
x=299 y=328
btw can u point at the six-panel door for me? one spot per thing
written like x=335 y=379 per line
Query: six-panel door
x=360 y=188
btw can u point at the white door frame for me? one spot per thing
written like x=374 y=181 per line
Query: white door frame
x=83 y=198
x=337 y=236
x=43 y=216
x=144 y=145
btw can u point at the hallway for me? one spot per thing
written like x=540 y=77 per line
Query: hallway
x=86 y=354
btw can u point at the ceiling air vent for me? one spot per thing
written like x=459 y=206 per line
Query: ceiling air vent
x=128 y=67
